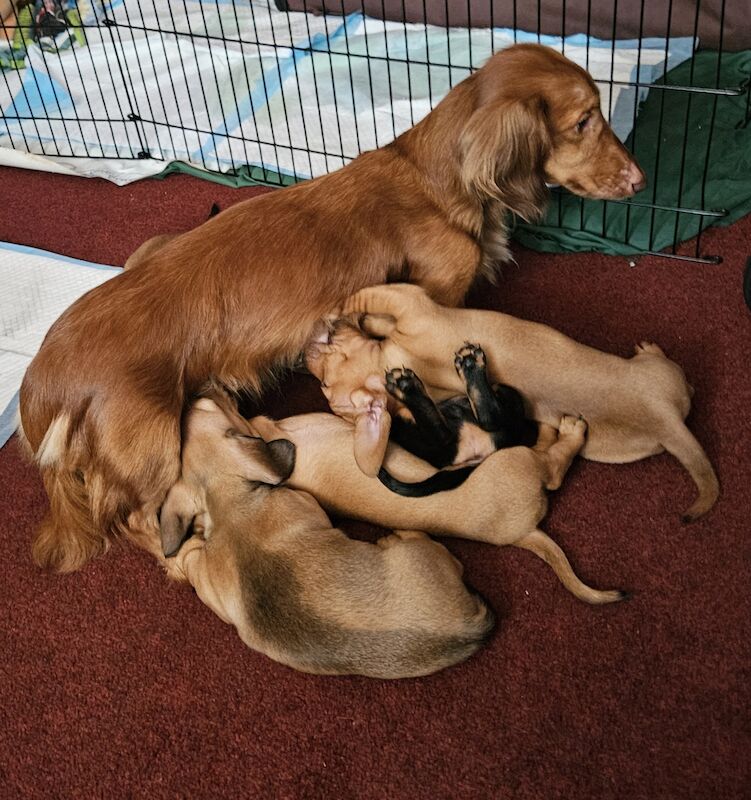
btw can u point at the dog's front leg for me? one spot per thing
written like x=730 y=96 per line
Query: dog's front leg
x=443 y=261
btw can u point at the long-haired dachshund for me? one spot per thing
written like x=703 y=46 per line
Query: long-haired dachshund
x=239 y=296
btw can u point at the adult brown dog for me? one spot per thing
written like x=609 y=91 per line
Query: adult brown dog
x=634 y=407
x=502 y=502
x=266 y=559
x=238 y=296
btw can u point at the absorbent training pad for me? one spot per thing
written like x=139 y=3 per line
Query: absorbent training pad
x=35 y=288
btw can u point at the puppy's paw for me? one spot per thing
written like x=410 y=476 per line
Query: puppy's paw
x=649 y=347
x=469 y=358
x=573 y=426
x=401 y=382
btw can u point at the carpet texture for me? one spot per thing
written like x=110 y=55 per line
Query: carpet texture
x=115 y=683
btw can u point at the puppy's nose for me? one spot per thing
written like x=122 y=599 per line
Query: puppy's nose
x=636 y=177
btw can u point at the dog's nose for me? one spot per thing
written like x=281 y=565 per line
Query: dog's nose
x=636 y=177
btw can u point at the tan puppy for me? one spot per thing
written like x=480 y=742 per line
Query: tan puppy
x=268 y=562
x=634 y=407
x=502 y=501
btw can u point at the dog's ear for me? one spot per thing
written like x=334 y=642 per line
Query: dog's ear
x=282 y=453
x=176 y=518
x=372 y=428
x=378 y=325
x=270 y=463
x=504 y=146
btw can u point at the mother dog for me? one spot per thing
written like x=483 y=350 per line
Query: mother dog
x=102 y=401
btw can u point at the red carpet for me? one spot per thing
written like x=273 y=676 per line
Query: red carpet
x=114 y=683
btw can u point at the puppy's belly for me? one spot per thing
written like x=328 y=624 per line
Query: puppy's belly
x=614 y=444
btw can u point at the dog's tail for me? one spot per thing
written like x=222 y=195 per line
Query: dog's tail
x=85 y=509
x=681 y=443
x=545 y=548
x=442 y=481
x=68 y=536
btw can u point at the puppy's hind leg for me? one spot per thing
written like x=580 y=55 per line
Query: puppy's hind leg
x=561 y=453
x=543 y=546
x=499 y=409
x=430 y=436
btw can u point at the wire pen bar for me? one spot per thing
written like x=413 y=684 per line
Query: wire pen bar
x=245 y=85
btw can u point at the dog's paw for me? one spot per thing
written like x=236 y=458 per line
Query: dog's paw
x=649 y=347
x=469 y=358
x=572 y=426
x=401 y=381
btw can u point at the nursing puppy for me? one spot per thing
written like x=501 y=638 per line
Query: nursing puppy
x=461 y=430
x=501 y=502
x=237 y=297
x=634 y=407
x=266 y=559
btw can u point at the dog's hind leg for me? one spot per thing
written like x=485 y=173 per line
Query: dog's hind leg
x=430 y=436
x=93 y=491
x=543 y=546
x=499 y=410
x=67 y=537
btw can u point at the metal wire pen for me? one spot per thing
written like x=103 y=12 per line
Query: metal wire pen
x=211 y=113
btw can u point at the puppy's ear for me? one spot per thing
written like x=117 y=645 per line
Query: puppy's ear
x=504 y=147
x=378 y=325
x=372 y=428
x=282 y=453
x=270 y=463
x=176 y=518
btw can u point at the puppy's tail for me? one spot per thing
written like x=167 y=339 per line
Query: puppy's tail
x=544 y=547
x=681 y=443
x=442 y=481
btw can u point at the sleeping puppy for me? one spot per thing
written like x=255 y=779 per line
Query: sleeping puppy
x=501 y=502
x=266 y=559
x=634 y=407
x=459 y=432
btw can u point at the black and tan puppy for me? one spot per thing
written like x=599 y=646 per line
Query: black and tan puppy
x=461 y=430
x=266 y=559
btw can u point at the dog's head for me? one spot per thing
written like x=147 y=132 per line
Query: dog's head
x=218 y=447
x=346 y=360
x=537 y=120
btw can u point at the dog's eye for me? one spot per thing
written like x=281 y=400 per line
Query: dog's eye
x=582 y=123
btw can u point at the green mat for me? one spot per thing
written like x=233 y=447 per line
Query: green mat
x=667 y=119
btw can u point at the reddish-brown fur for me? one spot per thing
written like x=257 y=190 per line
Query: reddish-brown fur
x=102 y=401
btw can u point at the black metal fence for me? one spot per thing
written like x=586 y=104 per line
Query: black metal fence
x=262 y=93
